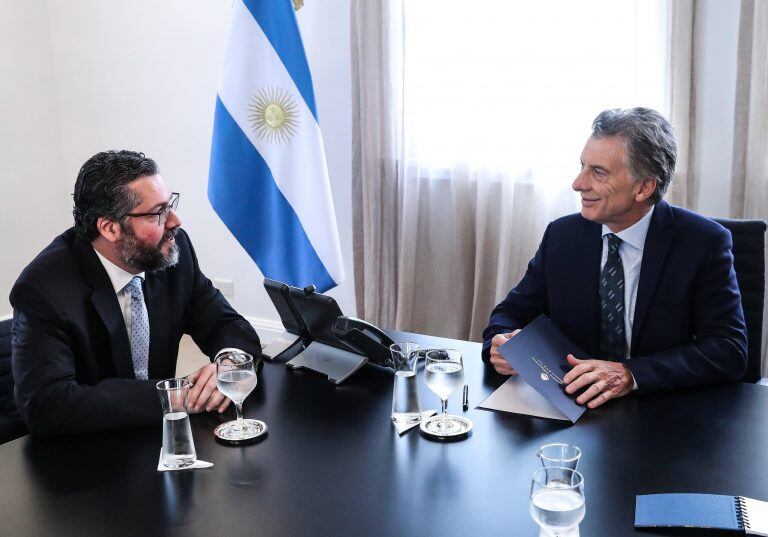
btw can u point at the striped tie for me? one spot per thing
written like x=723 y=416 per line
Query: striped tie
x=613 y=341
x=139 y=329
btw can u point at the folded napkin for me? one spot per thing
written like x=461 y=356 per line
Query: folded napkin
x=403 y=427
x=198 y=464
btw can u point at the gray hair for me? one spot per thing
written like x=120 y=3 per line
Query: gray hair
x=649 y=141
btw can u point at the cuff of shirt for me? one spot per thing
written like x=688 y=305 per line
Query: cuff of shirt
x=634 y=382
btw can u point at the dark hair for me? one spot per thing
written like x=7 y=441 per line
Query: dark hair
x=649 y=141
x=101 y=189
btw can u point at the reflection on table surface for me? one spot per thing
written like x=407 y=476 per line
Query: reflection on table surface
x=332 y=464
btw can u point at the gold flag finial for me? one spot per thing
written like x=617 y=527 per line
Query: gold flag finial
x=297 y=4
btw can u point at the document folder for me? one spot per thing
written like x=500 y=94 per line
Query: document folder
x=710 y=511
x=538 y=354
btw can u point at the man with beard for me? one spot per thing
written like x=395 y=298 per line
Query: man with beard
x=99 y=313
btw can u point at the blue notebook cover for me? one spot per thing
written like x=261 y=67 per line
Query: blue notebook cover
x=713 y=511
x=538 y=354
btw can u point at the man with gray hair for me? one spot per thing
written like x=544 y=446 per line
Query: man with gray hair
x=646 y=289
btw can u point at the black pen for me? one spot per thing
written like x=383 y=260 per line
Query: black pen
x=466 y=397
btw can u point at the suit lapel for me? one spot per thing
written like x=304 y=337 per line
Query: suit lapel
x=105 y=301
x=156 y=299
x=657 y=244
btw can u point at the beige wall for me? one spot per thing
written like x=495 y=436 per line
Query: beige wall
x=34 y=199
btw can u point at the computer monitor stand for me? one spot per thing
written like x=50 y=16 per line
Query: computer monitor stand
x=336 y=364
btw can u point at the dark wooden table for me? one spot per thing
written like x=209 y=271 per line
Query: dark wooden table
x=332 y=465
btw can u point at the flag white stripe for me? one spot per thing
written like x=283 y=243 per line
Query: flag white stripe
x=250 y=57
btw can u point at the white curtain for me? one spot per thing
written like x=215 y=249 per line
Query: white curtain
x=681 y=98
x=377 y=161
x=749 y=184
x=454 y=188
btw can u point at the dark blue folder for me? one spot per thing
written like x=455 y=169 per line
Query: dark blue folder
x=712 y=511
x=538 y=353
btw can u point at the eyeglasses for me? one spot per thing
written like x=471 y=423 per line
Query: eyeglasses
x=162 y=214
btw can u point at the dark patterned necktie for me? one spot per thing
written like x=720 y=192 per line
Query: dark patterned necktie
x=613 y=341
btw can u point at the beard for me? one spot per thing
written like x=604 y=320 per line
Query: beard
x=144 y=257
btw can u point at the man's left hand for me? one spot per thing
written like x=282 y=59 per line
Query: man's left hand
x=204 y=395
x=606 y=380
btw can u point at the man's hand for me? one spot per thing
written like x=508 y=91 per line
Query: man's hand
x=497 y=360
x=204 y=394
x=606 y=380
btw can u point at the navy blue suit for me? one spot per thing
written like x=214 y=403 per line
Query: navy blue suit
x=71 y=354
x=688 y=327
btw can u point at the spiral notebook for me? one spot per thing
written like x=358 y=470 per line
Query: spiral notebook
x=711 y=511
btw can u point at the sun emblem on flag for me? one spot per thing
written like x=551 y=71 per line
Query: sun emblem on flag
x=274 y=115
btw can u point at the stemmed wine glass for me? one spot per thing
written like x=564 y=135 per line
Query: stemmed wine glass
x=236 y=378
x=557 y=500
x=444 y=374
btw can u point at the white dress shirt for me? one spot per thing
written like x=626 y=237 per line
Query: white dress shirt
x=631 y=253
x=120 y=279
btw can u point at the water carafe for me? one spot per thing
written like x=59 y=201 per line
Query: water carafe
x=178 y=445
x=406 y=409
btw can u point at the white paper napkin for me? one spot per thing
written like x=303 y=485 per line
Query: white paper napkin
x=403 y=427
x=198 y=464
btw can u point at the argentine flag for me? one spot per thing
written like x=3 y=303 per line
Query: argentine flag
x=268 y=179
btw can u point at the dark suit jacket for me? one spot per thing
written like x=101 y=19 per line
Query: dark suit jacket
x=688 y=327
x=71 y=354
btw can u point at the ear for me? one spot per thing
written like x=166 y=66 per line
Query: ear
x=109 y=229
x=646 y=188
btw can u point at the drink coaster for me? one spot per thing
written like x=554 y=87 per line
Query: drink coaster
x=256 y=430
x=460 y=430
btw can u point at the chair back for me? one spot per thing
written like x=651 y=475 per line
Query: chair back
x=749 y=264
x=11 y=425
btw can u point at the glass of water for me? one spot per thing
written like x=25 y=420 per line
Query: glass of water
x=406 y=409
x=444 y=374
x=178 y=447
x=562 y=455
x=557 y=500
x=236 y=378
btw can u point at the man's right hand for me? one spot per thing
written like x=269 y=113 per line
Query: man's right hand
x=497 y=360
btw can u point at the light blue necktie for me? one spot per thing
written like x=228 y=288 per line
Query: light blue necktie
x=139 y=329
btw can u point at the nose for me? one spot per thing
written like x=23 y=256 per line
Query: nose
x=580 y=183
x=173 y=220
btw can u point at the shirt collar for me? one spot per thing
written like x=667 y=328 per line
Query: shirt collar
x=117 y=276
x=635 y=234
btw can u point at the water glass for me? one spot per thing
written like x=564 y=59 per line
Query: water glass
x=562 y=455
x=406 y=409
x=178 y=445
x=236 y=379
x=557 y=500
x=444 y=374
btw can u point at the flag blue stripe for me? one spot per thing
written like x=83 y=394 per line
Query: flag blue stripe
x=244 y=194
x=277 y=20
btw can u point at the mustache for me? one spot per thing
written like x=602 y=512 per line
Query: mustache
x=170 y=234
